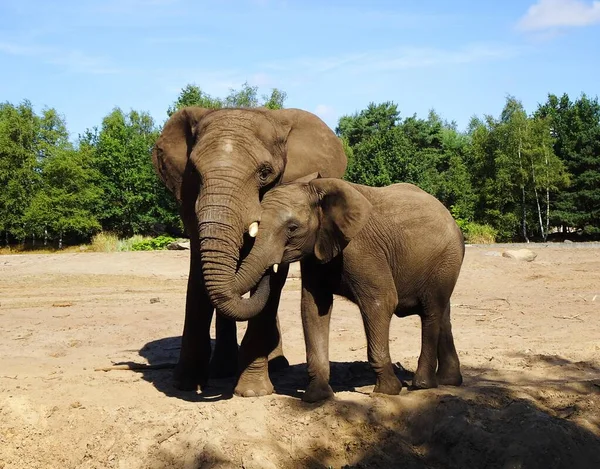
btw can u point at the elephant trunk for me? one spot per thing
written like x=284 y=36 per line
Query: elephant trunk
x=221 y=231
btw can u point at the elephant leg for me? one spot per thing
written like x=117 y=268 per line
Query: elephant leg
x=192 y=369
x=448 y=372
x=316 y=307
x=260 y=340
x=377 y=298
x=425 y=376
x=224 y=360
x=377 y=315
x=277 y=360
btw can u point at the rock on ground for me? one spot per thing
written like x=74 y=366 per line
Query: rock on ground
x=520 y=254
x=178 y=246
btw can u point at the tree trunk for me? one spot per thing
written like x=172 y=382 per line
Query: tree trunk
x=45 y=237
x=33 y=239
x=537 y=201
x=60 y=240
x=547 y=195
x=524 y=221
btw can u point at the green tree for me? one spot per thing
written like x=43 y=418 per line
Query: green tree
x=133 y=198
x=383 y=149
x=547 y=172
x=192 y=95
x=375 y=119
x=372 y=144
x=513 y=132
x=67 y=199
x=19 y=174
x=245 y=97
x=275 y=100
x=455 y=189
x=576 y=129
x=492 y=178
x=512 y=162
x=52 y=133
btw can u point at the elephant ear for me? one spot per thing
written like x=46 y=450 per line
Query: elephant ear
x=343 y=213
x=306 y=179
x=310 y=145
x=174 y=145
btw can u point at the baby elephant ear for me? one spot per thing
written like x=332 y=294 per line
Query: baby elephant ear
x=344 y=211
x=308 y=178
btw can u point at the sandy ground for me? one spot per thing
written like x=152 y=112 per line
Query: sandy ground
x=528 y=335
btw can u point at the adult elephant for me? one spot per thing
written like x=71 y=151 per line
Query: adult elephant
x=218 y=164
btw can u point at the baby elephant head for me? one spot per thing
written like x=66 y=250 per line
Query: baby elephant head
x=311 y=216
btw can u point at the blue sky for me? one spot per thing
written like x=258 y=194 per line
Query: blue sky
x=332 y=57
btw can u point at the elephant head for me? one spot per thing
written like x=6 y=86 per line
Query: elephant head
x=219 y=164
x=303 y=219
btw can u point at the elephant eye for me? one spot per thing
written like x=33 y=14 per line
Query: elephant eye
x=264 y=172
x=292 y=228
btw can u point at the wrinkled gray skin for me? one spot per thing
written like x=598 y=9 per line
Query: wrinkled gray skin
x=218 y=164
x=392 y=250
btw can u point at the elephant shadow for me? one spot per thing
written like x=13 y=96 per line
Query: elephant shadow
x=162 y=354
x=357 y=376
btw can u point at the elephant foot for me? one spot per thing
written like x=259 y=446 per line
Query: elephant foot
x=186 y=378
x=253 y=384
x=278 y=363
x=450 y=379
x=422 y=381
x=389 y=385
x=317 y=391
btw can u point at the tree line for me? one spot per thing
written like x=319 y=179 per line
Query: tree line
x=60 y=191
x=517 y=176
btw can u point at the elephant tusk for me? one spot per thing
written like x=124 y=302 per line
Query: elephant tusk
x=253 y=229
x=275 y=267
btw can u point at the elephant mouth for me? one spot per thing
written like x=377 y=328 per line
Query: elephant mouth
x=273 y=268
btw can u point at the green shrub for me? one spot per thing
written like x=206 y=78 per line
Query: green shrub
x=152 y=244
x=479 y=234
x=474 y=232
x=109 y=242
x=127 y=244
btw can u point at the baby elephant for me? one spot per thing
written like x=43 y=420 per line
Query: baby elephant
x=391 y=250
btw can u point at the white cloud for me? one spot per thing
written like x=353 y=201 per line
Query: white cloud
x=303 y=69
x=312 y=64
x=416 y=57
x=71 y=60
x=548 y=14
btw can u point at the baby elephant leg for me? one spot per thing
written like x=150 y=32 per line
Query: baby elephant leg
x=431 y=317
x=377 y=314
x=316 y=311
x=448 y=372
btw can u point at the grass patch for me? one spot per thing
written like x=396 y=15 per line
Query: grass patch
x=479 y=234
x=105 y=242
x=22 y=249
x=101 y=242
x=109 y=242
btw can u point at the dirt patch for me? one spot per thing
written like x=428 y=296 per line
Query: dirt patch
x=528 y=335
